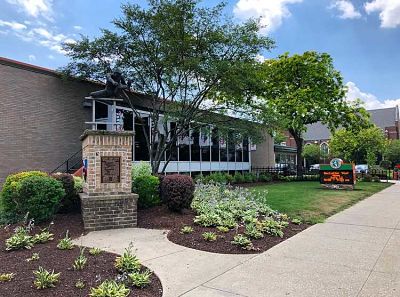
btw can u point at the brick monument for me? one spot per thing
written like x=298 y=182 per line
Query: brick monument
x=107 y=201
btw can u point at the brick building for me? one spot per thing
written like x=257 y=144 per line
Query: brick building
x=42 y=117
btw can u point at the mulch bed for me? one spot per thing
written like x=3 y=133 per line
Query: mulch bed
x=159 y=217
x=97 y=269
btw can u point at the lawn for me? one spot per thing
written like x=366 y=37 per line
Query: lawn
x=312 y=203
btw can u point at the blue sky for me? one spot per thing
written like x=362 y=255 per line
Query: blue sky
x=363 y=36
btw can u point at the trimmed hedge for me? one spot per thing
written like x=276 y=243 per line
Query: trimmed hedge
x=177 y=191
x=36 y=195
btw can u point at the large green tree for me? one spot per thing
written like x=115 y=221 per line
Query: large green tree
x=305 y=89
x=363 y=146
x=182 y=55
x=392 y=152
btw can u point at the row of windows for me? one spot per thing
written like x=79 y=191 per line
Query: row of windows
x=199 y=146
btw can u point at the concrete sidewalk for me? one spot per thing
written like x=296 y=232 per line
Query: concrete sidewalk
x=354 y=253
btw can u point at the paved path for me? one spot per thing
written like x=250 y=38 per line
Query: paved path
x=354 y=253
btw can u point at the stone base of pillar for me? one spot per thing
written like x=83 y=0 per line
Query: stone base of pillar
x=115 y=211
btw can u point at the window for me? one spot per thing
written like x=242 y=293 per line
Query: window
x=239 y=151
x=324 y=148
x=245 y=149
x=184 y=147
x=205 y=144
x=172 y=154
x=215 y=145
x=231 y=148
x=195 y=147
x=141 y=150
x=223 y=148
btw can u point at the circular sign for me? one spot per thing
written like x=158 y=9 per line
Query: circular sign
x=336 y=163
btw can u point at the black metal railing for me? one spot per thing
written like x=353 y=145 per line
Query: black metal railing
x=71 y=164
x=287 y=173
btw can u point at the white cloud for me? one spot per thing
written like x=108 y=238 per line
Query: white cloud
x=346 y=9
x=370 y=100
x=32 y=58
x=260 y=58
x=12 y=25
x=35 y=8
x=271 y=12
x=389 y=11
x=77 y=28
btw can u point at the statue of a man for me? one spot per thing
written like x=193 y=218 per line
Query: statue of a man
x=114 y=85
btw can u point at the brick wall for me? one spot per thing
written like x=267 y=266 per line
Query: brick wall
x=41 y=118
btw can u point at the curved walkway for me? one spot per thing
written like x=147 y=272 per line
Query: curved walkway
x=354 y=253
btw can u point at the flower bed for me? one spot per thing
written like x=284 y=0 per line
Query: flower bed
x=224 y=220
x=77 y=276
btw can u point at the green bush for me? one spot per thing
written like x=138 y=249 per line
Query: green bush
x=78 y=184
x=110 y=288
x=147 y=187
x=70 y=202
x=37 y=195
x=9 y=199
x=238 y=178
x=141 y=169
x=249 y=177
x=265 y=177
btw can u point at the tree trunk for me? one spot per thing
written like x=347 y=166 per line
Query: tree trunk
x=299 y=144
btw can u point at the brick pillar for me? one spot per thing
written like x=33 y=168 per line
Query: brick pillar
x=107 y=201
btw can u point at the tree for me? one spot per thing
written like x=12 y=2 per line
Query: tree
x=312 y=153
x=305 y=89
x=392 y=152
x=182 y=57
x=363 y=146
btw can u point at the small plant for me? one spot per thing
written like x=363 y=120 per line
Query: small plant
x=223 y=229
x=253 y=232
x=140 y=279
x=43 y=237
x=80 y=261
x=186 y=230
x=242 y=241
x=20 y=239
x=45 y=279
x=6 y=277
x=65 y=243
x=94 y=251
x=80 y=284
x=110 y=288
x=209 y=236
x=128 y=262
x=296 y=221
x=35 y=257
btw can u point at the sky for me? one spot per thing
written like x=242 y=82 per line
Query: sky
x=362 y=36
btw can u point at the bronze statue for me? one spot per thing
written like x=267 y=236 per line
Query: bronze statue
x=114 y=85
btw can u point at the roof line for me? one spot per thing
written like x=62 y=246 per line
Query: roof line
x=26 y=66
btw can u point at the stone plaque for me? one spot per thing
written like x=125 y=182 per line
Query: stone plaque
x=110 y=169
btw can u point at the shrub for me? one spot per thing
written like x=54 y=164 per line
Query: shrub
x=43 y=237
x=80 y=261
x=367 y=178
x=110 y=288
x=140 y=279
x=70 y=201
x=265 y=177
x=80 y=284
x=37 y=195
x=6 y=277
x=253 y=232
x=78 y=184
x=140 y=169
x=242 y=241
x=19 y=240
x=65 y=243
x=186 y=230
x=249 y=177
x=296 y=221
x=177 y=191
x=34 y=257
x=127 y=262
x=9 y=198
x=45 y=279
x=209 y=236
x=238 y=178
x=95 y=251
x=148 y=189
x=222 y=229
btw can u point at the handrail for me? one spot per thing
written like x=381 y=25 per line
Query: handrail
x=66 y=163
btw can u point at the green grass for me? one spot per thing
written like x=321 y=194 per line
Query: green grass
x=313 y=204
